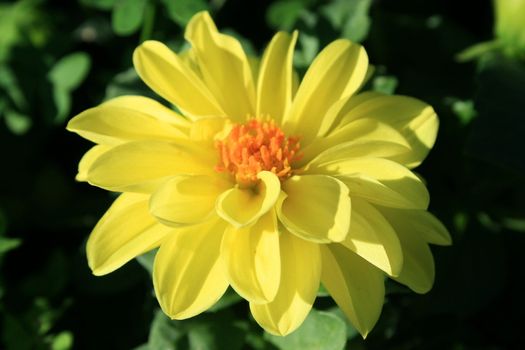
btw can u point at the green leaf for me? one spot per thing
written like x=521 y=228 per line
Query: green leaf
x=461 y=220
x=127 y=83
x=284 y=14
x=216 y=332
x=515 y=224
x=146 y=260
x=7 y=244
x=385 y=84
x=9 y=82
x=15 y=334
x=308 y=49
x=99 y=4
x=62 y=341
x=15 y=19
x=17 y=123
x=322 y=292
x=350 y=17
x=70 y=71
x=229 y=298
x=464 y=110
x=127 y=16
x=163 y=333
x=181 y=11
x=477 y=50
x=320 y=331
x=351 y=332
x=62 y=99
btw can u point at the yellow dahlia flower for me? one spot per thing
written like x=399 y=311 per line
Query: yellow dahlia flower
x=261 y=183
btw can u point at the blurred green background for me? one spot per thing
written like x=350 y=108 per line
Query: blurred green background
x=59 y=58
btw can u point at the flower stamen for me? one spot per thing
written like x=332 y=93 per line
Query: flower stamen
x=256 y=146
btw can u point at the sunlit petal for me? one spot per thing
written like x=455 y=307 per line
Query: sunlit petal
x=274 y=89
x=188 y=273
x=171 y=78
x=243 y=206
x=355 y=285
x=129 y=118
x=252 y=259
x=224 y=66
x=187 y=199
x=300 y=275
x=142 y=166
x=372 y=237
x=336 y=73
x=125 y=231
x=316 y=208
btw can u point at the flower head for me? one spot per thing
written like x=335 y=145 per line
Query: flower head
x=261 y=183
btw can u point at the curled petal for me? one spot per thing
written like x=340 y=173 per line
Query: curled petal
x=243 y=206
x=315 y=208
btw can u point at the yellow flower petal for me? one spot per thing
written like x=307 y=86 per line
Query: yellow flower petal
x=361 y=130
x=141 y=166
x=387 y=172
x=188 y=274
x=415 y=229
x=205 y=129
x=171 y=78
x=421 y=222
x=375 y=191
x=187 y=199
x=315 y=208
x=355 y=285
x=129 y=118
x=300 y=274
x=125 y=231
x=373 y=238
x=252 y=259
x=274 y=89
x=416 y=120
x=224 y=66
x=243 y=206
x=418 y=264
x=358 y=149
x=336 y=73
x=88 y=159
x=341 y=108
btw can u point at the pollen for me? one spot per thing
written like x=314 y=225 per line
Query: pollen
x=256 y=146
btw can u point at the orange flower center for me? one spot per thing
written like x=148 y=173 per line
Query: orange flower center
x=256 y=146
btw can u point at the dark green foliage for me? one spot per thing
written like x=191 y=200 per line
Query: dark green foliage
x=60 y=58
